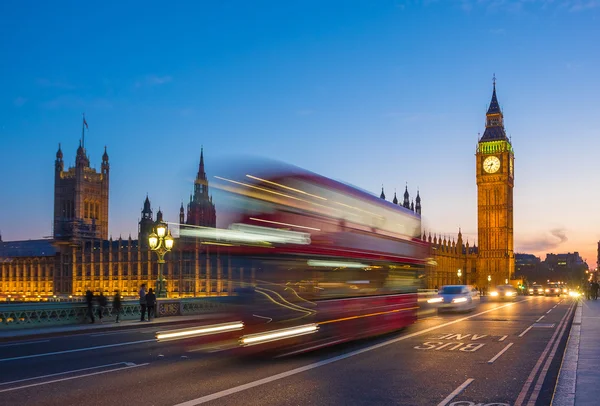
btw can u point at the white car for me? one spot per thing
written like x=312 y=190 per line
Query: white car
x=456 y=297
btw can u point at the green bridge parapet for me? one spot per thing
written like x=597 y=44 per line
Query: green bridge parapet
x=36 y=315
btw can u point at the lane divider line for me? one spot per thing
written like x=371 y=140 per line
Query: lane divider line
x=540 y=319
x=500 y=353
x=272 y=378
x=456 y=392
x=525 y=332
x=30 y=342
x=73 y=377
x=534 y=371
x=538 y=385
x=548 y=311
x=64 y=373
x=99 y=347
x=502 y=338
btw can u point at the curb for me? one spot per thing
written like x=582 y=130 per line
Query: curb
x=109 y=327
x=564 y=391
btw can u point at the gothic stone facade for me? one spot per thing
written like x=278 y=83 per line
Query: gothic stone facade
x=49 y=268
x=80 y=198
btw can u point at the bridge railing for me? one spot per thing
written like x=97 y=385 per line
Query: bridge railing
x=36 y=315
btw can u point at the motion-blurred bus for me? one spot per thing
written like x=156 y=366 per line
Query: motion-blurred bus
x=309 y=261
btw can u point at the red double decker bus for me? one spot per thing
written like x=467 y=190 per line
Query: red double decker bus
x=314 y=262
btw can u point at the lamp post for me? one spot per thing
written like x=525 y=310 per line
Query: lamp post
x=161 y=242
x=489 y=281
x=459 y=274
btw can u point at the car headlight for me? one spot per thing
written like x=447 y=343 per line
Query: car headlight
x=459 y=300
x=531 y=290
x=493 y=293
x=510 y=293
x=435 y=300
x=547 y=290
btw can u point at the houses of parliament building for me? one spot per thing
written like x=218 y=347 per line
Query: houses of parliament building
x=81 y=256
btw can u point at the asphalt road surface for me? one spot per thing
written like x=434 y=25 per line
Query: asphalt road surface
x=499 y=354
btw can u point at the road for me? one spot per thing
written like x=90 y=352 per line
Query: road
x=499 y=354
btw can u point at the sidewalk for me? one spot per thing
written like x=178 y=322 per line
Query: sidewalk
x=579 y=379
x=32 y=333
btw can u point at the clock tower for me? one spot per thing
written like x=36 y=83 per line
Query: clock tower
x=495 y=182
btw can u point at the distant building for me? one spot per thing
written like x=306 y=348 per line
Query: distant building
x=556 y=262
x=529 y=268
x=494 y=257
x=80 y=196
x=81 y=256
x=201 y=209
x=495 y=184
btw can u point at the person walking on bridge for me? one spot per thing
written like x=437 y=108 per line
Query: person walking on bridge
x=102 y=303
x=150 y=303
x=143 y=302
x=89 y=298
x=116 y=306
x=595 y=288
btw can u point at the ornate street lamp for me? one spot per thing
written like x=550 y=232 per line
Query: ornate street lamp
x=161 y=242
x=489 y=281
x=459 y=273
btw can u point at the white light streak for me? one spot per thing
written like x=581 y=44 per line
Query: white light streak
x=278 y=334
x=212 y=329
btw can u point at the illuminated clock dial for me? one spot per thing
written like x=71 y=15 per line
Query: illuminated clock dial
x=491 y=164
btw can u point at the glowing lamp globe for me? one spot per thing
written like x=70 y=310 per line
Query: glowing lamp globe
x=169 y=241
x=153 y=240
x=161 y=230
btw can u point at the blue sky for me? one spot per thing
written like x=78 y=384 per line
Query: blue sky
x=369 y=92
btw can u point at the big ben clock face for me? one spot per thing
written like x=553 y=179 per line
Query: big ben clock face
x=491 y=164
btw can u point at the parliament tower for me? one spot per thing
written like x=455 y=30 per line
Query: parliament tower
x=80 y=196
x=495 y=183
x=201 y=209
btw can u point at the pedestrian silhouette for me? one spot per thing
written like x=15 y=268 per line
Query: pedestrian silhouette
x=143 y=302
x=150 y=303
x=116 y=306
x=89 y=298
x=102 y=302
x=595 y=288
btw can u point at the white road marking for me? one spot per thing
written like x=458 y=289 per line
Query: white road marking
x=66 y=373
x=109 y=334
x=24 y=343
x=540 y=319
x=548 y=311
x=146 y=330
x=526 y=330
x=77 y=350
x=72 y=377
x=500 y=353
x=272 y=378
x=534 y=371
x=538 y=385
x=502 y=338
x=456 y=392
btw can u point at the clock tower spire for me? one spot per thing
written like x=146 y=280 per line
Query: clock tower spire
x=495 y=183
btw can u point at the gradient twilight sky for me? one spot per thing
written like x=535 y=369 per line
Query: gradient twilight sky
x=369 y=92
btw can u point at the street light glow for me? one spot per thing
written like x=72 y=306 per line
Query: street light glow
x=169 y=241
x=153 y=240
x=161 y=230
